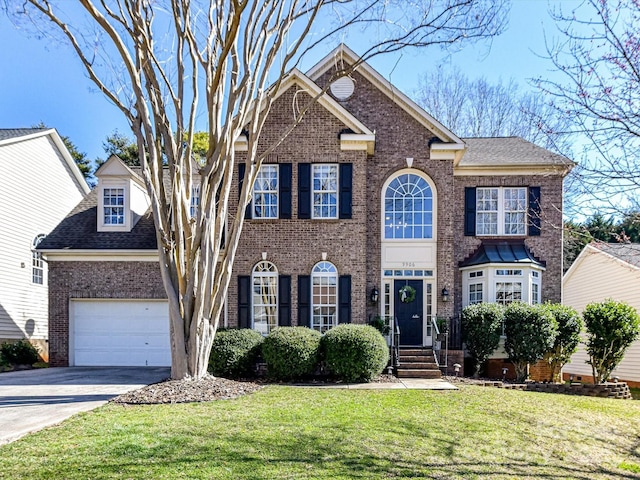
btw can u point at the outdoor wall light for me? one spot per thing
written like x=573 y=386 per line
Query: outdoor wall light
x=375 y=294
x=445 y=294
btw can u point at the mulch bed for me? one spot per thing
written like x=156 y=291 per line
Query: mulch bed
x=207 y=389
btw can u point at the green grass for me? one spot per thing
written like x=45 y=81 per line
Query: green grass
x=288 y=432
x=635 y=393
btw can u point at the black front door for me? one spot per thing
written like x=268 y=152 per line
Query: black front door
x=409 y=315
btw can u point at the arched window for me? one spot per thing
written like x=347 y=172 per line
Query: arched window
x=37 y=264
x=265 y=297
x=408 y=208
x=324 y=283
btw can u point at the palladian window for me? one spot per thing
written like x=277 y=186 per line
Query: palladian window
x=408 y=208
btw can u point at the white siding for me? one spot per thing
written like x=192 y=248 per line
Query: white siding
x=598 y=277
x=37 y=190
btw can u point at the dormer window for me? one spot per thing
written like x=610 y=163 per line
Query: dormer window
x=114 y=206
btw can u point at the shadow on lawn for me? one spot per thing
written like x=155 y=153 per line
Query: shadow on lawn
x=321 y=455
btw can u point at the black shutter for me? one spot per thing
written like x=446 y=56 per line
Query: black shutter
x=304 y=190
x=344 y=299
x=304 y=300
x=534 y=211
x=284 y=300
x=242 y=168
x=470 y=211
x=285 y=190
x=244 y=301
x=345 y=199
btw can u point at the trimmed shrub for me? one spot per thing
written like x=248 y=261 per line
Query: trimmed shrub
x=21 y=352
x=355 y=353
x=234 y=352
x=291 y=352
x=531 y=331
x=481 y=329
x=566 y=342
x=611 y=328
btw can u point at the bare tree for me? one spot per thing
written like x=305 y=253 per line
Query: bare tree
x=599 y=59
x=165 y=64
x=477 y=108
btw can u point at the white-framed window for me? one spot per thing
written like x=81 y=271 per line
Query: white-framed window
x=113 y=206
x=324 y=296
x=502 y=284
x=535 y=287
x=325 y=190
x=195 y=201
x=475 y=293
x=501 y=211
x=265 y=193
x=408 y=208
x=37 y=263
x=508 y=292
x=264 y=281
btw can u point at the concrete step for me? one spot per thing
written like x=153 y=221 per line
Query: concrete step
x=418 y=373
x=419 y=365
x=415 y=351
x=416 y=358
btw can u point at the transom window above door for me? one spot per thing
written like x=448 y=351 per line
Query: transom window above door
x=408 y=208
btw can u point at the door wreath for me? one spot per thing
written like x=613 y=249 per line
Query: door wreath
x=407 y=294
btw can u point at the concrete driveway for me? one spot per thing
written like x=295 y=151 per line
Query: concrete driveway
x=33 y=399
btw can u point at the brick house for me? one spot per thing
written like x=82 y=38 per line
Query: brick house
x=367 y=195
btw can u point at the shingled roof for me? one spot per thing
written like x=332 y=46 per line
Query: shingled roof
x=78 y=231
x=508 y=151
x=627 y=252
x=9 y=133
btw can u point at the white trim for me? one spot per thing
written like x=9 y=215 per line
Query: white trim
x=510 y=170
x=101 y=255
x=343 y=52
x=358 y=141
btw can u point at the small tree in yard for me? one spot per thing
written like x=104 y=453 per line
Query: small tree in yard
x=481 y=328
x=531 y=331
x=566 y=342
x=611 y=328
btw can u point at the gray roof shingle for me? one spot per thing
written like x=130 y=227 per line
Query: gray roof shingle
x=627 y=252
x=78 y=231
x=8 y=133
x=508 y=151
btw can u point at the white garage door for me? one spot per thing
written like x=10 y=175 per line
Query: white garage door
x=119 y=333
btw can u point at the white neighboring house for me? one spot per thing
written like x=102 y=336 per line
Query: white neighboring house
x=39 y=184
x=603 y=271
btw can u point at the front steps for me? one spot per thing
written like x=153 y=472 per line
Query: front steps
x=417 y=363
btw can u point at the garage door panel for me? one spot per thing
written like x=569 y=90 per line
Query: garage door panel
x=120 y=333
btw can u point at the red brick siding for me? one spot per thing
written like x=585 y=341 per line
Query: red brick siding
x=69 y=280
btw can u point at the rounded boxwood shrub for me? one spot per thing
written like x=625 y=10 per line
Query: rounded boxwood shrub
x=234 y=352
x=355 y=353
x=21 y=352
x=291 y=352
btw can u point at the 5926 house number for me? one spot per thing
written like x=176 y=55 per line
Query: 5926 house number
x=408 y=264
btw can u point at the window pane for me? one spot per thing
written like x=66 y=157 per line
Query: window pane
x=325 y=191
x=265 y=192
x=265 y=297
x=408 y=205
x=324 y=280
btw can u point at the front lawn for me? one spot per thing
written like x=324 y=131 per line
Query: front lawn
x=288 y=432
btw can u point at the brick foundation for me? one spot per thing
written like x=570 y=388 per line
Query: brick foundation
x=589 y=379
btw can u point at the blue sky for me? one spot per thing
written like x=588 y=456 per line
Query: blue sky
x=44 y=82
